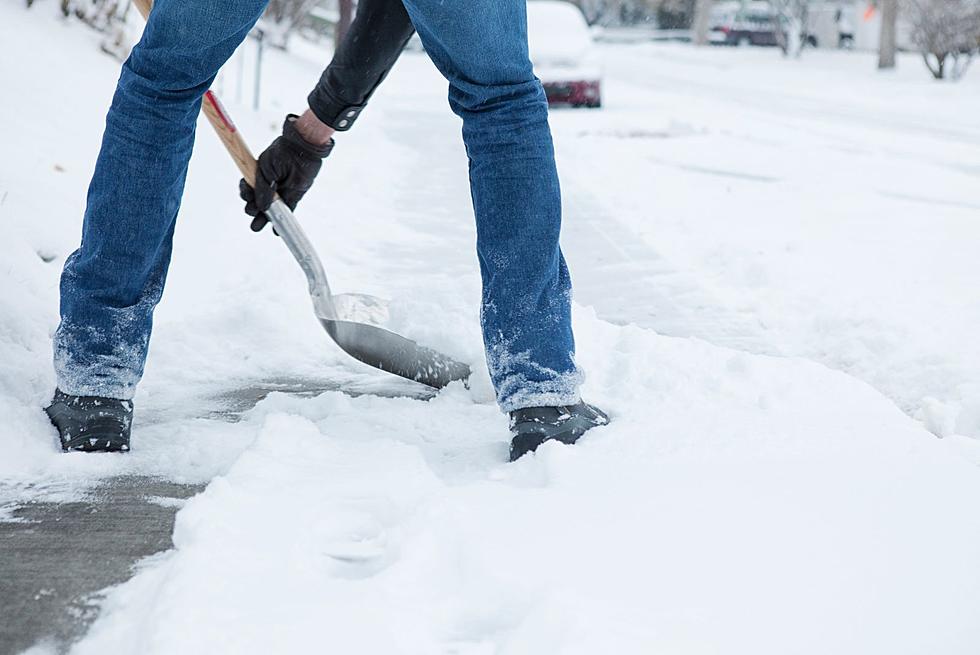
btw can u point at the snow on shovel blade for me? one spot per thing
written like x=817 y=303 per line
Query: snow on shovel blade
x=394 y=353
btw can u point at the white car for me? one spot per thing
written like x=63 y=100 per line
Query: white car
x=563 y=54
x=743 y=23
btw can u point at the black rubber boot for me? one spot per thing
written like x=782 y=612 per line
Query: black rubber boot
x=532 y=426
x=90 y=423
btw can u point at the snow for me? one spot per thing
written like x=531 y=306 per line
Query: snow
x=775 y=268
x=714 y=531
x=828 y=210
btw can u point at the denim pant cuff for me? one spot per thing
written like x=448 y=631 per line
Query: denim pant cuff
x=563 y=390
x=86 y=385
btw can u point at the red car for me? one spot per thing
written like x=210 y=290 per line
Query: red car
x=564 y=57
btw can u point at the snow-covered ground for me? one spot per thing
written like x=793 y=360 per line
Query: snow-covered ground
x=830 y=211
x=776 y=268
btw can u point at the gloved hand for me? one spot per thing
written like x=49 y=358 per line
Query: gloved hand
x=287 y=167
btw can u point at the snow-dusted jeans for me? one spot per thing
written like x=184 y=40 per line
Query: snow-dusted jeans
x=112 y=283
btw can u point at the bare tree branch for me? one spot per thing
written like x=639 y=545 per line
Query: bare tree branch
x=944 y=31
x=792 y=17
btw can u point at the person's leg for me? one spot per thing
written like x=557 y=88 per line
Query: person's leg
x=112 y=283
x=481 y=48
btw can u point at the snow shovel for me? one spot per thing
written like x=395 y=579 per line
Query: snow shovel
x=370 y=344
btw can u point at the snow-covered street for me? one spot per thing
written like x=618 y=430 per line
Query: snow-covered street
x=827 y=210
x=776 y=268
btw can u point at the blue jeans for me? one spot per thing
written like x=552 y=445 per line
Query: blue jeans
x=112 y=283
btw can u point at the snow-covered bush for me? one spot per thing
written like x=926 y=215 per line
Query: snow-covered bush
x=947 y=33
x=107 y=16
x=100 y=14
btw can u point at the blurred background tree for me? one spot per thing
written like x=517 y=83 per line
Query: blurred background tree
x=701 y=23
x=283 y=18
x=888 y=44
x=792 y=17
x=947 y=33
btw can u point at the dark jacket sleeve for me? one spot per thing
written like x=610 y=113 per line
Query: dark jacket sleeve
x=378 y=34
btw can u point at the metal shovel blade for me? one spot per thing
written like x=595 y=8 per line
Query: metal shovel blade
x=394 y=353
x=370 y=344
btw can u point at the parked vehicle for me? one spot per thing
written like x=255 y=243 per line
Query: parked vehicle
x=737 y=23
x=563 y=54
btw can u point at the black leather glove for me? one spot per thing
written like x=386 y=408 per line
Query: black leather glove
x=287 y=167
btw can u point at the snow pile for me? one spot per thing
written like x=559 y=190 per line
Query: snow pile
x=25 y=348
x=42 y=185
x=736 y=504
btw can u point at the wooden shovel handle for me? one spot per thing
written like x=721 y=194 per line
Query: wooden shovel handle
x=144 y=7
x=230 y=136
x=220 y=121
